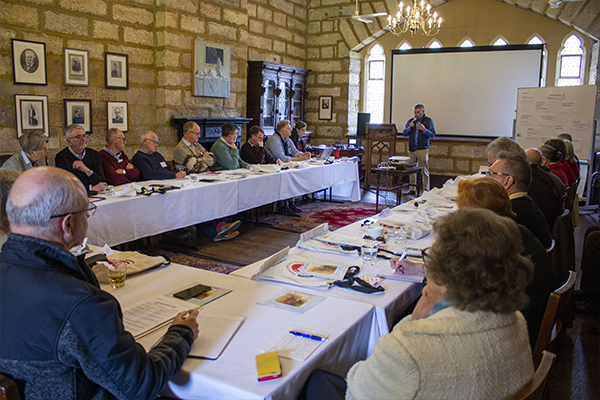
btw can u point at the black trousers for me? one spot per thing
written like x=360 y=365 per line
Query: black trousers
x=323 y=385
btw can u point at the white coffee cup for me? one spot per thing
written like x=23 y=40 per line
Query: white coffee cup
x=375 y=231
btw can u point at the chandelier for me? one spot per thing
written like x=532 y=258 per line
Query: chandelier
x=414 y=18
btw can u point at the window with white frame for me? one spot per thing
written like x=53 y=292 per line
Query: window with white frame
x=435 y=44
x=375 y=84
x=405 y=46
x=571 y=62
x=537 y=40
x=467 y=43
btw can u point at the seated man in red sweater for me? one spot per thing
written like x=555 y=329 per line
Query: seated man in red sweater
x=117 y=168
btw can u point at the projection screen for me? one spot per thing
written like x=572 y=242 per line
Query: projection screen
x=466 y=91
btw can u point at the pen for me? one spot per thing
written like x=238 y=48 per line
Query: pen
x=403 y=255
x=308 y=336
x=187 y=313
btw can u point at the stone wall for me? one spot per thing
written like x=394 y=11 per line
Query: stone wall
x=158 y=36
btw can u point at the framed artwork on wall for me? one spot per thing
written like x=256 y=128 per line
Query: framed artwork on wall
x=117 y=115
x=325 y=107
x=29 y=62
x=212 y=69
x=116 y=67
x=32 y=113
x=77 y=68
x=79 y=112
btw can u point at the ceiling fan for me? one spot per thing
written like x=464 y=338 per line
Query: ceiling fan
x=357 y=17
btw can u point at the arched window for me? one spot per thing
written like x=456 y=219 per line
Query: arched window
x=467 y=43
x=375 y=83
x=538 y=40
x=405 y=46
x=435 y=44
x=571 y=62
x=500 y=42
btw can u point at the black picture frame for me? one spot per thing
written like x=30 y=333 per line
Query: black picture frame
x=31 y=114
x=116 y=115
x=325 y=107
x=29 y=62
x=77 y=67
x=79 y=111
x=116 y=67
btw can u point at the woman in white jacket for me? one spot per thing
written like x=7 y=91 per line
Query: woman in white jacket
x=466 y=338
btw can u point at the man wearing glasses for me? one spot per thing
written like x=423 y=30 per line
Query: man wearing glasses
x=514 y=173
x=82 y=162
x=116 y=165
x=151 y=163
x=189 y=155
x=60 y=332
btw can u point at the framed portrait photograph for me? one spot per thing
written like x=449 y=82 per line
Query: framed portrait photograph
x=325 y=107
x=117 y=70
x=29 y=62
x=32 y=113
x=77 y=69
x=79 y=112
x=117 y=115
x=212 y=69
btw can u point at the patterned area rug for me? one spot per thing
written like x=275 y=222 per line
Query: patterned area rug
x=196 y=262
x=313 y=214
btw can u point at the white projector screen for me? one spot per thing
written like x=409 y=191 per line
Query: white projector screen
x=466 y=91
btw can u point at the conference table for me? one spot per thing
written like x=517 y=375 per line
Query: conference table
x=233 y=374
x=121 y=219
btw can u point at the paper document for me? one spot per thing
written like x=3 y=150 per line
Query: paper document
x=293 y=301
x=344 y=239
x=294 y=347
x=145 y=316
x=410 y=274
x=215 y=334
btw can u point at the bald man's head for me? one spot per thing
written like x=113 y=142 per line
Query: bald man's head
x=41 y=192
x=534 y=156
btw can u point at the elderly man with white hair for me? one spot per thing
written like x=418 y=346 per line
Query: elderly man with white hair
x=63 y=336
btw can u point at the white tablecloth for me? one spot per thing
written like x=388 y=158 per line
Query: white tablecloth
x=233 y=374
x=124 y=219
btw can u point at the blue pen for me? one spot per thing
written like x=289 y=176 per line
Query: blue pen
x=308 y=336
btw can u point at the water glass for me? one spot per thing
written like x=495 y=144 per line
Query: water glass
x=109 y=190
x=400 y=234
x=369 y=254
x=117 y=273
x=193 y=178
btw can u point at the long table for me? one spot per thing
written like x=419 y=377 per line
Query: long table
x=124 y=219
x=233 y=374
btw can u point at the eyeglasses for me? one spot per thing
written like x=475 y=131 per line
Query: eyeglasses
x=153 y=141
x=89 y=212
x=195 y=133
x=122 y=138
x=79 y=137
x=488 y=173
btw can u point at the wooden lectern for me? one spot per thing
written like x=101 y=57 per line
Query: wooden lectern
x=380 y=143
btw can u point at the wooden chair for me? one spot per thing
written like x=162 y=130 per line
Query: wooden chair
x=571 y=195
x=554 y=318
x=171 y=165
x=535 y=388
x=379 y=142
x=563 y=255
x=8 y=388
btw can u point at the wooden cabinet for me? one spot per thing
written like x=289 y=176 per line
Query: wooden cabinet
x=275 y=92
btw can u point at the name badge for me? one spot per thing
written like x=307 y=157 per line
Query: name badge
x=163 y=164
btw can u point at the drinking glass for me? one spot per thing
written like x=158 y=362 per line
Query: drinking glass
x=109 y=190
x=193 y=178
x=400 y=234
x=369 y=254
x=117 y=273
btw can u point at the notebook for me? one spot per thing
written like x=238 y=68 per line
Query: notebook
x=409 y=275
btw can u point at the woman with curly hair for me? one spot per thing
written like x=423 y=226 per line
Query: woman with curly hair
x=466 y=337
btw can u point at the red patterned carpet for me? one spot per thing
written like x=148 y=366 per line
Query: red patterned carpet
x=196 y=262
x=313 y=214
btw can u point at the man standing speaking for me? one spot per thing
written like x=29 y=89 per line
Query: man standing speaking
x=419 y=130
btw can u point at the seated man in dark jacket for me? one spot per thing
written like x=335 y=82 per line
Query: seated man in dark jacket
x=151 y=163
x=253 y=151
x=546 y=189
x=514 y=173
x=62 y=336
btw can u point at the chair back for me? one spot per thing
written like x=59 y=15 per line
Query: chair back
x=8 y=388
x=556 y=313
x=571 y=195
x=379 y=144
x=535 y=388
x=171 y=165
x=563 y=255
